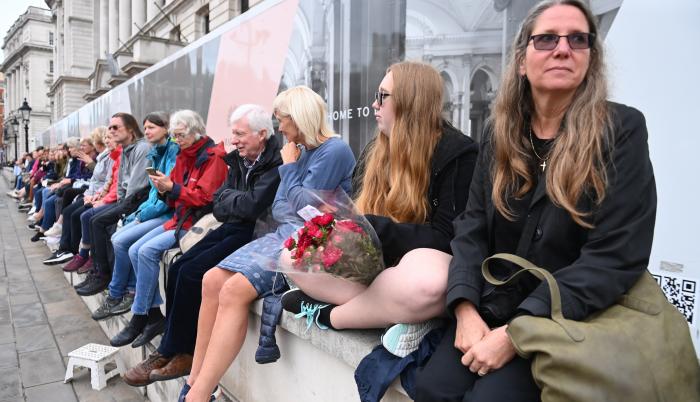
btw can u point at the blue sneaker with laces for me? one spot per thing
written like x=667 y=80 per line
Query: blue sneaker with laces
x=302 y=306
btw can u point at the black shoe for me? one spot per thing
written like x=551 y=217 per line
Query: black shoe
x=125 y=336
x=87 y=280
x=38 y=236
x=31 y=226
x=95 y=286
x=297 y=302
x=150 y=332
x=58 y=257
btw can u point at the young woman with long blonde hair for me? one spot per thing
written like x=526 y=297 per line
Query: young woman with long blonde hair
x=412 y=181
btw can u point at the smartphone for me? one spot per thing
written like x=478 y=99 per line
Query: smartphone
x=151 y=171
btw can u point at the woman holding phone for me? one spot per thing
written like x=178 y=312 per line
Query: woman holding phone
x=198 y=172
x=151 y=213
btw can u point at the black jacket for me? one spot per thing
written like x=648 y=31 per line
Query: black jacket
x=238 y=200
x=593 y=267
x=450 y=174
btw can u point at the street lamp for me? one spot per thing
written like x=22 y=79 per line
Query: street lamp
x=15 y=129
x=25 y=112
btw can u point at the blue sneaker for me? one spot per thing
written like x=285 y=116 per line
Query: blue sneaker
x=186 y=388
x=403 y=339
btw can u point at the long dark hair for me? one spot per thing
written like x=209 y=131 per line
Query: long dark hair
x=130 y=124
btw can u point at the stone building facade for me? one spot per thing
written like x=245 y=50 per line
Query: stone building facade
x=28 y=67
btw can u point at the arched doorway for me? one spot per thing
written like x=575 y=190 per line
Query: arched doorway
x=481 y=95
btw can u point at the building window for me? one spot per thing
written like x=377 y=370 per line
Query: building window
x=244 y=6
x=202 y=22
x=51 y=38
x=51 y=66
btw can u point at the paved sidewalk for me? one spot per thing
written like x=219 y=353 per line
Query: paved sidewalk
x=41 y=321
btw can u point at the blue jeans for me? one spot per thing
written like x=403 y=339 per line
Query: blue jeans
x=123 y=276
x=145 y=257
x=49 y=211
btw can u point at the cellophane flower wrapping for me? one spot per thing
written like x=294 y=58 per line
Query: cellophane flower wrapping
x=334 y=239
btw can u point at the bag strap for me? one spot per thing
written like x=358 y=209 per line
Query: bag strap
x=542 y=274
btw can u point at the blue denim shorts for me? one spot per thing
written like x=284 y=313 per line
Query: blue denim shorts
x=251 y=259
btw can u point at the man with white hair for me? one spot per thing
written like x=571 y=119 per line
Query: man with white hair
x=246 y=195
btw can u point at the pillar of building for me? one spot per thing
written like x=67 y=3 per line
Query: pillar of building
x=104 y=28
x=113 y=42
x=138 y=15
x=152 y=9
x=124 y=21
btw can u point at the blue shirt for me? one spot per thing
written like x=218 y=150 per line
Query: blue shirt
x=325 y=167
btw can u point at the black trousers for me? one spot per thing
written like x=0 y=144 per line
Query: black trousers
x=183 y=294
x=69 y=195
x=444 y=379
x=70 y=236
x=103 y=225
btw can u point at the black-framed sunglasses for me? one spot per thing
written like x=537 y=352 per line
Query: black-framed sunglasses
x=380 y=96
x=114 y=127
x=549 y=41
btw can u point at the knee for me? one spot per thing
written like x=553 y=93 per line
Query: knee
x=427 y=291
x=236 y=291
x=211 y=284
x=133 y=253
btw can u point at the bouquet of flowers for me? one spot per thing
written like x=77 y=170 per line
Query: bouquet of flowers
x=332 y=238
x=340 y=247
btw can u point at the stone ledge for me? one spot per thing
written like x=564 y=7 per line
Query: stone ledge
x=316 y=365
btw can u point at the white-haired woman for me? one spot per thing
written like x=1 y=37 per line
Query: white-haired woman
x=325 y=162
x=199 y=171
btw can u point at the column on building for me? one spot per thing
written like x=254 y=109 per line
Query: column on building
x=138 y=15
x=104 y=28
x=113 y=42
x=124 y=21
x=152 y=8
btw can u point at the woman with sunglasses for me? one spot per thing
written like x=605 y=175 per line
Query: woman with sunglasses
x=563 y=179
x=150 y=214
x=412 y=180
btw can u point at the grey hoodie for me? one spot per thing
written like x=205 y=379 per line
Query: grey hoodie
x=132 y=170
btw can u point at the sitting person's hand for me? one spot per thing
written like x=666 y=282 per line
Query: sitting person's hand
x=99 y=203
x=471 y=328
x=492 y=352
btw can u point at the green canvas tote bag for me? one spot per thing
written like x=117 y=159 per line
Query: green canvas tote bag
x=638 y=349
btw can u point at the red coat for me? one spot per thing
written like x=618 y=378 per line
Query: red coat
x=199 y=171
x=116 y=156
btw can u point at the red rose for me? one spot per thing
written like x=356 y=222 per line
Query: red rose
x=323 y=220
x=349 y=225
x=290 y=243
x=331 y=255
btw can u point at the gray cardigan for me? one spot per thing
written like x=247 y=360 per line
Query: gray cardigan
x=103 y=168
x=132 y=170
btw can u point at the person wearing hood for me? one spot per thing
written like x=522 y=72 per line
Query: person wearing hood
x=150 y=214
x=189 y=189
x=411 y=182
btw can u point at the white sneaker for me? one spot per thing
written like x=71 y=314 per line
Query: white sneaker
x=403 y=339
x=31 y=218
x=55 y=230
x=31 y=211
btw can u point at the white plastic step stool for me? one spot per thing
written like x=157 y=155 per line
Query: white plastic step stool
x=95 y=357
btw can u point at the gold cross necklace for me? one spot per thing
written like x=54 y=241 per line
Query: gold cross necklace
x=543 y=165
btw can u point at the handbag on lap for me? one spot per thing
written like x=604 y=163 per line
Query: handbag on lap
x=638 y=349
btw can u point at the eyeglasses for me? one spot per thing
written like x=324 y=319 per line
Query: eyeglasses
x=179 y=135
x=577 y=40
x=380 y=96
x=114 y=127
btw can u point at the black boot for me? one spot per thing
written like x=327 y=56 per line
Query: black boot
x=155 y=326
x=130 y=332
x=97 y=284
x=268 y=351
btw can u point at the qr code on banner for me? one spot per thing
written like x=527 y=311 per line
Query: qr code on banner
x=680 y=292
